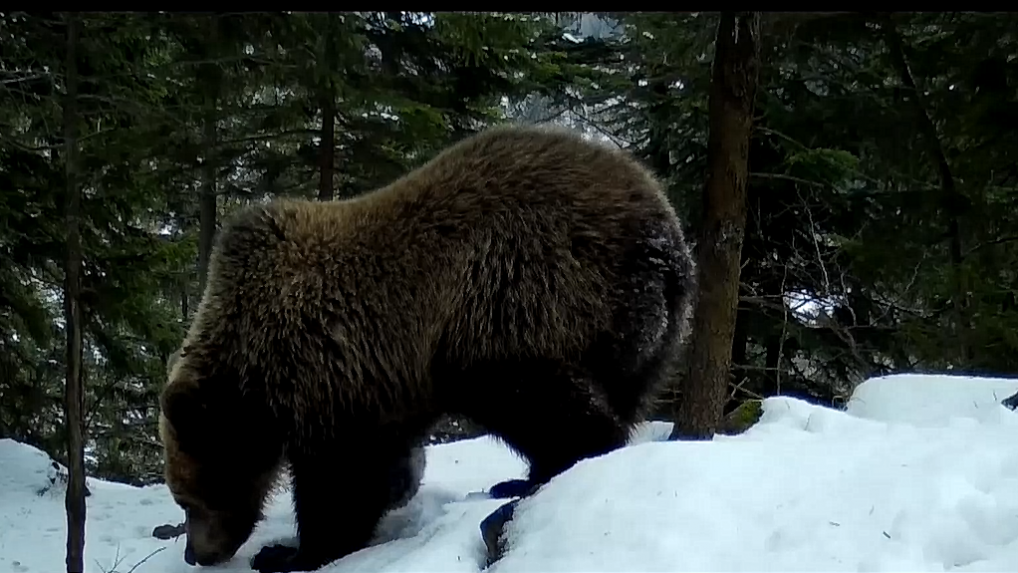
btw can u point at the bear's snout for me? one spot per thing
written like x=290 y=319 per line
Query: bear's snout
x=192 y=558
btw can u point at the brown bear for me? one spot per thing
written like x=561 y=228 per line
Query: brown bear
x=532 y=281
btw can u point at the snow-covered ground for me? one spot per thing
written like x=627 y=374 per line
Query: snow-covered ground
x=919 y=474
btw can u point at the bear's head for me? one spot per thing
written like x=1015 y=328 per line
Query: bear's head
x=214 y=468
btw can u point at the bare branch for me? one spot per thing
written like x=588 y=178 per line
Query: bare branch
x=816 y=244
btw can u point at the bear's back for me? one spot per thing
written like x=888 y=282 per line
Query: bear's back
x=542 y=222
x=513 y=242
x=511 y=167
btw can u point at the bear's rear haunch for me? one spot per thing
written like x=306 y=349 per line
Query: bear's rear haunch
x=531 y=281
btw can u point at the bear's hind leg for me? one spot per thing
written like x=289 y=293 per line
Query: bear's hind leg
x=339 y=499
x=553 y=414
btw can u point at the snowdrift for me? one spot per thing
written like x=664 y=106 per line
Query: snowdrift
x=919 y=473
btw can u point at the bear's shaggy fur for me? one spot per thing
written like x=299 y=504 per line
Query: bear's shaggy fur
x=529 y=280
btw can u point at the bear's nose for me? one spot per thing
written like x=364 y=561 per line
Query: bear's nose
x=189 y=555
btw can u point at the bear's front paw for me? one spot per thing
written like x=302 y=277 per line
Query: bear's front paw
x=279 y=559
x=512 y=488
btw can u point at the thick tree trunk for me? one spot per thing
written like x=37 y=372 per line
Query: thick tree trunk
x=327 y=149
x=719 y=251
x=74 y=499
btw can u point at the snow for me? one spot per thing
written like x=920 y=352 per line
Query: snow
x=931 y=400
x=919 y=473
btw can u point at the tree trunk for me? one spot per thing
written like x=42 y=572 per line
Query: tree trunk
x=772 y=362
x=74 y=499
x=207 y=199
x=327 y=149
x=719 y=251
x=207 y=203
x=326 y=63
x=184 y=300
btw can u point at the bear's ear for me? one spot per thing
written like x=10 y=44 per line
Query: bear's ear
x=185 y=407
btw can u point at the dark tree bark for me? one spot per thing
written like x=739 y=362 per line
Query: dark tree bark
x=327 y=62
x=772 y=361
x=327 y=151
x=211 y=80
x=74 y=499
x=184 y=301
x=207 y=201
x=719 y=251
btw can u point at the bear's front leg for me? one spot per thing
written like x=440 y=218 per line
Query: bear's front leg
x=339 y=499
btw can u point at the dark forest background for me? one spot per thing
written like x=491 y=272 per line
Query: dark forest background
x=881 y=229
